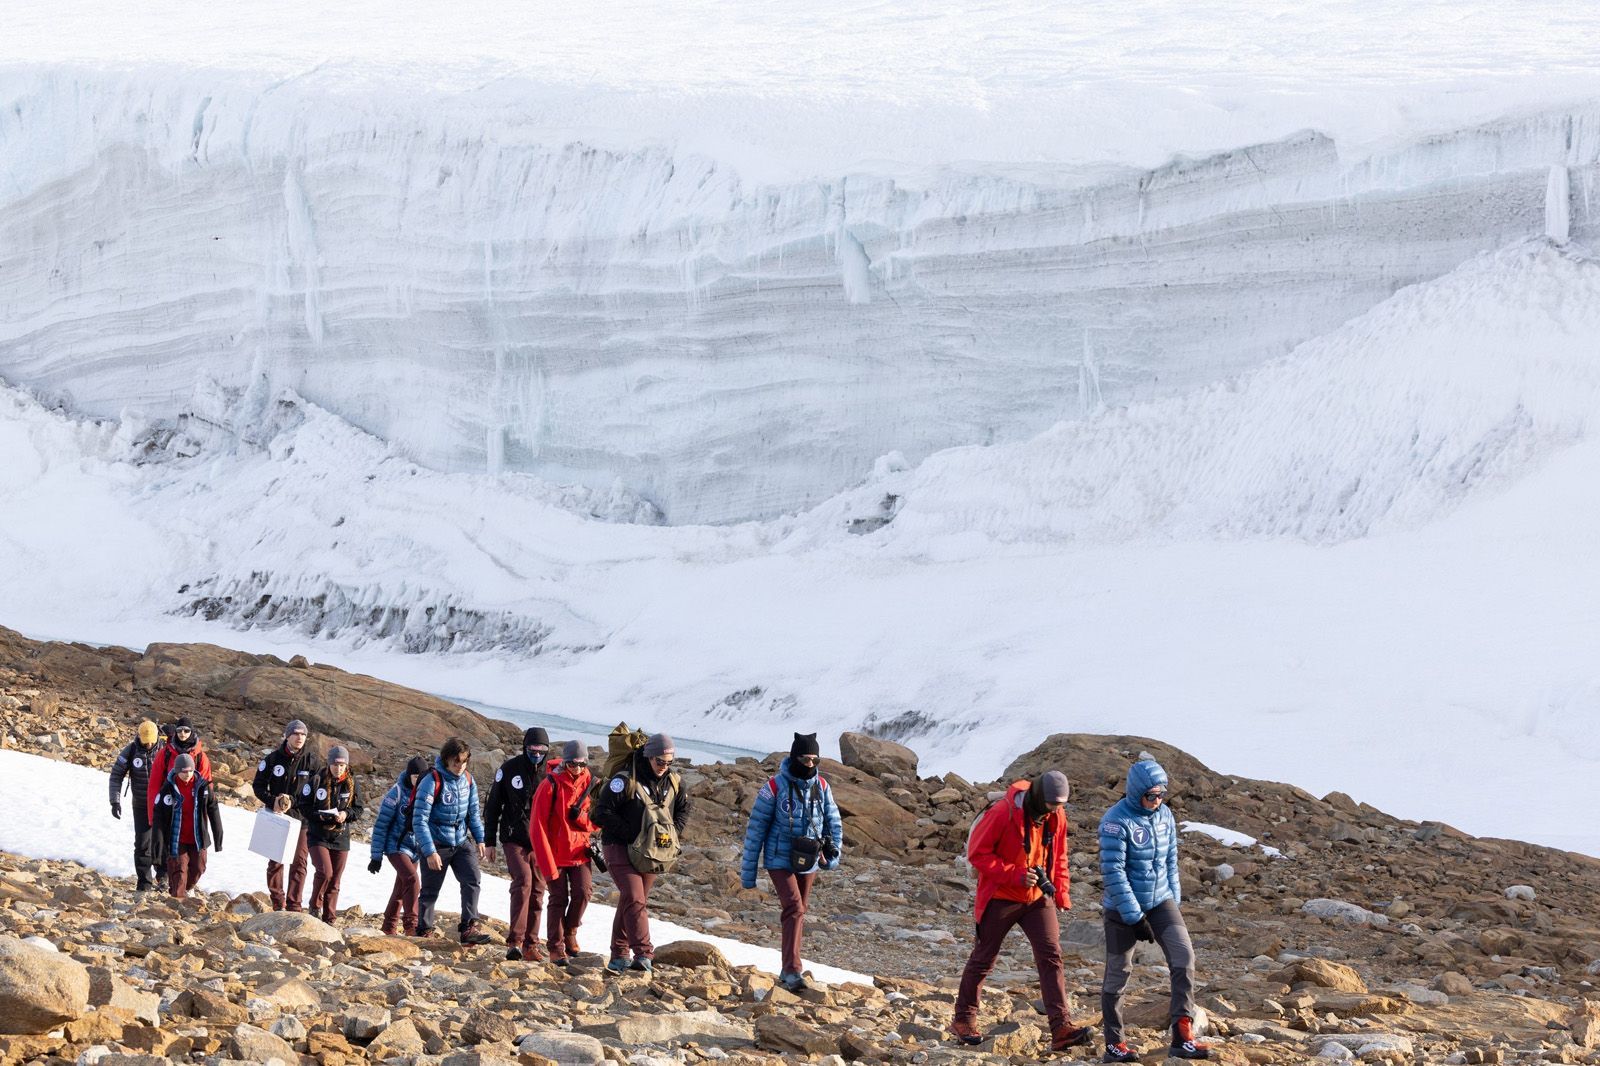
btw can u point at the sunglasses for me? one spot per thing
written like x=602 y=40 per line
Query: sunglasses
x=662 y=760
x=806 y=760
x=1156 y=794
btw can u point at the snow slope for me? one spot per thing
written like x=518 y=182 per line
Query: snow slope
x=1366 y=566
x=729 y=257
x=49 y=805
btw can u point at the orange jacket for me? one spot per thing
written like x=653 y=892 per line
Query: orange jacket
x=1003 y=847
x=161 y=766
x=557 y=839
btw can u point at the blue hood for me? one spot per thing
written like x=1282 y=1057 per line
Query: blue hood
x=1142 y=777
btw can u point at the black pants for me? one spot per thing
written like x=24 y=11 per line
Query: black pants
x=1172 y=936
x=463 y=860
x=144 y=848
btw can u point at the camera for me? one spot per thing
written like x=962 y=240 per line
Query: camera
x=597 y=857
x=1043 y=882
x=830 y=854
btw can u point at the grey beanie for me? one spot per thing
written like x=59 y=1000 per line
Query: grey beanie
x=1053 y=787
x=574 y=751
x=183 y=762
x=295 y=726
x=660 y=744
x=338 y=751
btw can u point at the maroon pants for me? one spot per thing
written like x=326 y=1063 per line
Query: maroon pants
x=297 y=878
x=401 y=913
x=630 y=930
x=527 y=897
x=569 y=898
x=794 y=891
x=184 y=870
x=1039 y=924
x=329 y=865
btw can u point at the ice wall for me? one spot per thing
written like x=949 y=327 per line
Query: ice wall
x=492 y=294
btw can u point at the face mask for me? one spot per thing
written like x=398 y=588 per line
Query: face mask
x=536 y=757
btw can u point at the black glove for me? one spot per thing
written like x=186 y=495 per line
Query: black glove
x=575 y=812
x=116 y=808
x=830 y=854
x=1144 y=931
x=374 y=866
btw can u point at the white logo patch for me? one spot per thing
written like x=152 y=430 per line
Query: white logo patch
x=262 y=765
x=167 y=800
x=306 y=791
x=137 y=762
x=516 y=782
x=322 y=793
x=1111 y=828
x=618 y=784
x=498 y=774
x=277 y=771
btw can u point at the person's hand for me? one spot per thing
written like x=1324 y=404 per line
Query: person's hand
x=374 y=866
x=1029 y=878
x=116 y=808
x=339 y=817
x=435 y=863
x=830 y=854
x=486 y=853
x=281 y=804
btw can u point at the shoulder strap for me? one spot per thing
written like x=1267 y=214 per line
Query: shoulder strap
x=772 y=785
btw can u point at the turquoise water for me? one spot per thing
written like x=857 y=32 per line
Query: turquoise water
x=561 y=728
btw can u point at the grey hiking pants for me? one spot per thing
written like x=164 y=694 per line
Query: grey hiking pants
x=1166 y=921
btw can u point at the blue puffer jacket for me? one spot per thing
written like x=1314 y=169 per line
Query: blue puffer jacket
x=390 y=833
x=785 y=808
x=451 y=821
x=1139 y=849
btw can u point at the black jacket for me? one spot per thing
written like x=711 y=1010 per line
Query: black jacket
x=510 y=803
x=165 y=827
x=281 y=774
x=133 y=764
x=620 y=812
x=320 y=796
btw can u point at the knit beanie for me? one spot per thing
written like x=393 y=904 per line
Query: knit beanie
x=183 y=762
x=418 y=765
x=337 y=752
x=805 y=744
x=148 y=732
x=1053 y=787
x=182 y=723
x=296 y=726
x=535 y=735
x=574 y=751
x=658 y=746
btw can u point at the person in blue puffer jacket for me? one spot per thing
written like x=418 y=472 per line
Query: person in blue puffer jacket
x=447 y=827
x=392 y=839
x=1139 y=868
x=795 y=822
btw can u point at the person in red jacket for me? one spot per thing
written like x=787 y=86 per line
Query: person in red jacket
x=558 y=829
x=1019 y=848
x=181 y=740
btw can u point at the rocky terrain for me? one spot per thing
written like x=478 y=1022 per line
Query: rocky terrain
x=1360 y=936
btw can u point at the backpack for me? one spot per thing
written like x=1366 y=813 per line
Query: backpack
x=621 y=746
x=656 y=849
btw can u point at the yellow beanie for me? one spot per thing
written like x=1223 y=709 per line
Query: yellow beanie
x=147 y=732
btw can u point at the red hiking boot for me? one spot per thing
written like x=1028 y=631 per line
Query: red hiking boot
x=1120 y=1053
x=966 y=1033
x=1184 y=1045
x=1068 y=1036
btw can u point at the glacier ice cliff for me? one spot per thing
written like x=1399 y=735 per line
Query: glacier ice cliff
x=489 y=296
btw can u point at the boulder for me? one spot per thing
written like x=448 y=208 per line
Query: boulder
x=876 y=756
x=786 y=1035
x=106 y=989
x=568 y=1049
x=363 y=1022
x=295 y=928
x=257 y=1045
x=1323 y=974
x=487 y=1027
x=701 y=1026
x=39 y=989
x=289 y=993
x=400 y=1039
x=690 y=953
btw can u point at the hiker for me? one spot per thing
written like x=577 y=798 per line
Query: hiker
x=280 y=775
x=1018 y=847
x=795 y=823
x=447 y=826
x=642 y=814
x=329 y=804
x=392 y=840
x=1139 y=868
x=133 y=766
x=558 y=831
x=181 y=740
x=505 y=821
x=189 y=822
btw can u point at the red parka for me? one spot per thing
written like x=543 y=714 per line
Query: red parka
x=1004 y=845
x=560 y=840
x=161 y=766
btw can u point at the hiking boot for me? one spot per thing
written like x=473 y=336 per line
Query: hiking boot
x=474 y=934
x=513 y=955
x=791 y=981
x=1120 y=1053
x=535 y=952
x=966 y=1033
x=1184 y=1045
x=571 y=941
x=1069 y=1035
x=642 y=963
x=558 y=952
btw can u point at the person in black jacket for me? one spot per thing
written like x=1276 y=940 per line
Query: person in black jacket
x=329 y=805
x=187 y=822
x=133 y=768
x=620 y=816
x=280 y=775
x=505 y=820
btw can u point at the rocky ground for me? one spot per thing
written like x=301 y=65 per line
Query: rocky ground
x=1368 y=937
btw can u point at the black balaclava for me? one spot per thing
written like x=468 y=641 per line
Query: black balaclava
x=804 y=744
x=184 y=745
x=536 y=735
x=416 y=766
x=1033 y=805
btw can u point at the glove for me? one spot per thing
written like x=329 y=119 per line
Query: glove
x=1145 y=931
x=116 y=808
x=574 y=813
x=374 y=866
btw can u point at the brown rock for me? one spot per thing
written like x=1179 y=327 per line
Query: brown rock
x=209 y=1006
x=399 y=1039
x=39 y=989
x=786 y=1035
x=876 y=756
x=690 y=953
x=1323 y=974
x=487 y=1027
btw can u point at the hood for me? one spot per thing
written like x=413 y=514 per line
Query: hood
x=438 y=764
x=786 y=769
x=1143 y=776
x=414 y=765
